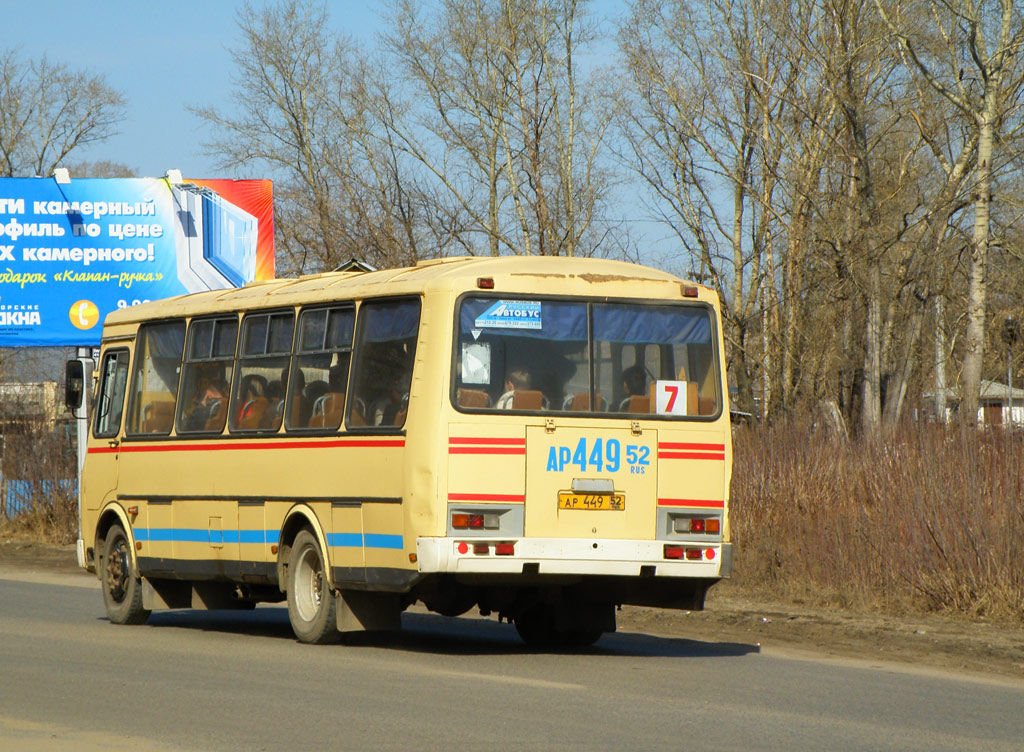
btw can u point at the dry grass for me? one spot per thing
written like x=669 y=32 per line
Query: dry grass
x=927 y=520
x=39 y=503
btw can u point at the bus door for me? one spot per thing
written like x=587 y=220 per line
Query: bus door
x=591 y=482
x=99 y=482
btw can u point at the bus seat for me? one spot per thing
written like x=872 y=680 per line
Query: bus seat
x=706 y=405
x=300 y=412
x=692 y=401
x=636 y=403
x=580 y=401
x=272 y=415
x=527 y=399
x=157 y=417
x=327 y=410
x=356 y=418
x=252 y=413
x=215 y=417
x=472 y=398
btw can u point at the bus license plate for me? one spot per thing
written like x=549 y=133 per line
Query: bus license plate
x=566 y=500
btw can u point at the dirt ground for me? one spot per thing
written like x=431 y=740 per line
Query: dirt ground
x=932 y=642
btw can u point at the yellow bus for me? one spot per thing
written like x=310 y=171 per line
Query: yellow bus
x=543 y=439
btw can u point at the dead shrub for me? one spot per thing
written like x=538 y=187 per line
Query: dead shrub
x=926 y=520
x=39 y=489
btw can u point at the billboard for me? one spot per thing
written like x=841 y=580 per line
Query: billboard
x=71 y=252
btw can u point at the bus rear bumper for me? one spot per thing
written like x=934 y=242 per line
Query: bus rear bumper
x=574 y=556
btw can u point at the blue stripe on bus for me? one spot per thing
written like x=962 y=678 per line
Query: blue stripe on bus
x=370 y=540
x=376 y=540
x=344 y=540
x=198 y=535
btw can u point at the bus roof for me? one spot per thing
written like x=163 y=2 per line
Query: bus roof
x=571 y=276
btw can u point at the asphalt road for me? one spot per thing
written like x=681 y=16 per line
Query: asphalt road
x=225 y=681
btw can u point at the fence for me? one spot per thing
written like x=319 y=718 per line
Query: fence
x=18 y=497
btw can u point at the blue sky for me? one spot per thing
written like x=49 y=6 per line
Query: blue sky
x=162 y=56
x=165 y=56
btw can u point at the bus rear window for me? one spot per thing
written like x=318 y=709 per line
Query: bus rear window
x=584 y=357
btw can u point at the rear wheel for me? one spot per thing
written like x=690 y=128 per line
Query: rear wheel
x=312 y=607
x=538 y=626
x=122 y=587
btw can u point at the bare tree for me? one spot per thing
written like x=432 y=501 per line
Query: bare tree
x=49 y=112
x=304 y=113
x=970 y=54
x=499 y=115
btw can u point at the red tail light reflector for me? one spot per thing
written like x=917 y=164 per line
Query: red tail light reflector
x=709 y=554
x=696 y=525
x=482 y=548
x=504 y=549
x=673 y=552
x=485 y=283
x=694 y=554
x=461 y=521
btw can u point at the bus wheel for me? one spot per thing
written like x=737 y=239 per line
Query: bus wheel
x=582 y=638
x=122 y=588
x=312 y=609
x=536 y=627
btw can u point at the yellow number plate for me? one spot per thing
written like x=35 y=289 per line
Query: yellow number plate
x=568 y=500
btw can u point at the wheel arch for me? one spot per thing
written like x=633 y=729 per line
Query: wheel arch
x=111 y=514
x=300 y=516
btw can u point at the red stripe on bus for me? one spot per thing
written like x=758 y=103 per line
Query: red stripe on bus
x=479 y=440
x=221 y=446
x=691 y=503
x=689 y=456
x=687 y=446
x=520 y=498
x=486 y=450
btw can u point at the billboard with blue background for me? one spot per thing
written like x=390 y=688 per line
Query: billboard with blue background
x=71 y=252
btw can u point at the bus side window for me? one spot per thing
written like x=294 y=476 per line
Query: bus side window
x=154 y=385
x=264 y=354
x=385 y=353
x=315 y=397
x=209 y=363
x=114 y=374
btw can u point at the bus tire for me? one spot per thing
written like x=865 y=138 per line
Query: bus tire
x=122 y=586
x=536 y=627
x=312 y=607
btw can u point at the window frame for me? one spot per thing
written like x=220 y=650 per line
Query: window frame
x=360 y=325
x=590 y=302
x=136 y=368
x=113 y=352
x=298 y=353
x=243 y=360
x=188 y=364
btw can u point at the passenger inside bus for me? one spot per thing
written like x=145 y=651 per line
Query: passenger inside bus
x=390 y=409
x=634 y=381
x=207 y=408
x=518 y=395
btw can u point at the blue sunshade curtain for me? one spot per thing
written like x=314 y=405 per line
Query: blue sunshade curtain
x=566 y=322
x=665 y=325
x=668 y=325
x=385 y=322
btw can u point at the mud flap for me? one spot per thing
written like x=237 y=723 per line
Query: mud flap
x=360 y=611
x=160 y=595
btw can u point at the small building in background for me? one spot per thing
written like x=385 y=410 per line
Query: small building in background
x=998 y=404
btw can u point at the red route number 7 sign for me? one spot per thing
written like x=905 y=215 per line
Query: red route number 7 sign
x=670 y=397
